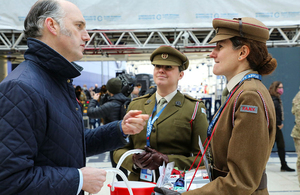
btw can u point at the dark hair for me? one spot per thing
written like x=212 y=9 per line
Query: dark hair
x=78 y=88
x=103 y=89
x=34 y=22
x=181 y=68
x=273 y=88
x=259 y=58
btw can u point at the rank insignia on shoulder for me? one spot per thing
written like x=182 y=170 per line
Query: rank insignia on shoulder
x=247 y=108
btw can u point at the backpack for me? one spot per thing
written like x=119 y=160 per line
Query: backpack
x=124 y=107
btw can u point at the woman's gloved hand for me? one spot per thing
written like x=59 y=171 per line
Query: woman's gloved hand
x=142 y=159
x=149 y=159
x=157 y=158
x=164 y=191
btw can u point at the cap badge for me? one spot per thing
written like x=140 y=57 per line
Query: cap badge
x=164 y=56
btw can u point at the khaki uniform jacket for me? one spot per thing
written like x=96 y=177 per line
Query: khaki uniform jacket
x=173 y=134
x=296 y=111
x=242 y=150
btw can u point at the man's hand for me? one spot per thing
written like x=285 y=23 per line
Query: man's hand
x=134 y=122
x=96 y=96
x=280 y=126
x=93 y=179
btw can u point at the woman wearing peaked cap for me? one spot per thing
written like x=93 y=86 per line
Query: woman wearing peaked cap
x=243 y=130
x=176 y=120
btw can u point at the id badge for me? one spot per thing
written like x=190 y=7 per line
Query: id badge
x=146 y=174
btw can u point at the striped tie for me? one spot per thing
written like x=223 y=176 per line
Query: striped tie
x=161 y=104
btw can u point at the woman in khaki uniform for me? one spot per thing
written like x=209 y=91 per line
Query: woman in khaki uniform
x=243 y=130
x=296 y=130
x=173 y=136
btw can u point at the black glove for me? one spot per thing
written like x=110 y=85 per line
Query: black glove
x=164 y=191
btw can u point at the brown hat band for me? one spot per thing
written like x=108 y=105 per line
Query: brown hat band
x=170 y=60
x=233 y=33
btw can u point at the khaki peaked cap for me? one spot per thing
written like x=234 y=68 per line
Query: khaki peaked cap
x=169 y=56
x=246 y=27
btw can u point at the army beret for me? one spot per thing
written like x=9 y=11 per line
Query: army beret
x=169 y=56
x=246 y=27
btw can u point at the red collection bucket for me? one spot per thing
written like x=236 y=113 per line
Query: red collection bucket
x=126 y=187
x=138 y=188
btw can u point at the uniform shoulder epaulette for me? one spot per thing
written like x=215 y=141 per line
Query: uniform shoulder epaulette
x=142 y=97
x=191 y=98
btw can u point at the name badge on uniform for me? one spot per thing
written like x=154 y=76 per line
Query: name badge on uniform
x=247 y=108
x=146 y=174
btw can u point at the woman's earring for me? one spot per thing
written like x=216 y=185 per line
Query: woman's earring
x=240 y=58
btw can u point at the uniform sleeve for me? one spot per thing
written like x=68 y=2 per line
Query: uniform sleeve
x=248 y=150
x=296 y=103
x=296 y=111
x=23 y=124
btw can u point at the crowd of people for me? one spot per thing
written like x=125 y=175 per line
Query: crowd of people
x=45 y=150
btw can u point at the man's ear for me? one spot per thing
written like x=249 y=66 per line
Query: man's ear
x=52 y=25
x=244 y=52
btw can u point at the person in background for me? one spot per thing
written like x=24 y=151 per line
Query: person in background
x=86 y=92
x=103 y=95
x=96 y=88
x=136 y=91
x=175 y=124
x=152 y=89
x=276 y=90
x=242 y=132
x=43 y=141
x=91 y=90
x=296 y=130
x=80 y=95
x=110 y=110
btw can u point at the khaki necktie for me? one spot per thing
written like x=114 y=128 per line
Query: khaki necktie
x=224 y=95
x=160 y=105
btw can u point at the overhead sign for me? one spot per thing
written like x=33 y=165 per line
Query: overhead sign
x=153 y=14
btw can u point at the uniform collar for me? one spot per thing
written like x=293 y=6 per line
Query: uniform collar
x=236 y=79
x=167 y=97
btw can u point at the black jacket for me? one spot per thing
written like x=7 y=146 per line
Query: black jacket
x=109 y=111
x=278 y=109
x=42 y=137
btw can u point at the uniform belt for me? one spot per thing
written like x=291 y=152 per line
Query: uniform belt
x=215 y=172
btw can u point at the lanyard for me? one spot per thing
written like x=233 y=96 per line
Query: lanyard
x=212 y=124
x=151 y=122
